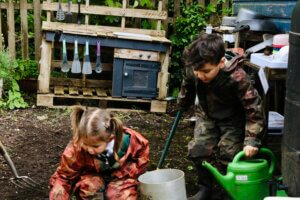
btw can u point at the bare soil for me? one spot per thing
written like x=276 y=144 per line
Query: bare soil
x=36 y=137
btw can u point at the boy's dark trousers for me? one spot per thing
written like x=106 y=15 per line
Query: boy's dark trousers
x=216 y=142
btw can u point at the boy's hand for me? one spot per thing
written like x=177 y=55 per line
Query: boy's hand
x=250 y=151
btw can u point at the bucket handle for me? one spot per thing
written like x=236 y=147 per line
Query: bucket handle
x=171 y=134
x=266 y=151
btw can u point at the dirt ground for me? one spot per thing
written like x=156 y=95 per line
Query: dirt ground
x=35 y=138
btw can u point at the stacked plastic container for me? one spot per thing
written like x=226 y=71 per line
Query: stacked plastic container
x=280 y=41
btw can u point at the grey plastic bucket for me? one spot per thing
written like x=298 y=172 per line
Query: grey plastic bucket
x=163 y=184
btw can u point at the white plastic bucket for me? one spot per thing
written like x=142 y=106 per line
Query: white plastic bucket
x=163 y=184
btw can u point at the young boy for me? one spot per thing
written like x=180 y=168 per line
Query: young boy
x=229 y=110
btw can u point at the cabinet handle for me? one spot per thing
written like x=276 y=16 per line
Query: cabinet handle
x=141 y=55
x=125 y=73
x=149 y=56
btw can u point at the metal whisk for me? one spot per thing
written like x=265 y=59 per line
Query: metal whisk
x=23 y=182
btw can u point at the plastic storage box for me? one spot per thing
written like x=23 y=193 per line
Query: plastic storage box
x=271 y=61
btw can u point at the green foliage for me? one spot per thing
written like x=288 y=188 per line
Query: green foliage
x=9 y=73
x=27 y=69
x=193 y=20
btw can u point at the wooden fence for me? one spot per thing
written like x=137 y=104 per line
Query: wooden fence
x=23 y=8
x=11 y=8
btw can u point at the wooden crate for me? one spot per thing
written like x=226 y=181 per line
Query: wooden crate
x=52 y=100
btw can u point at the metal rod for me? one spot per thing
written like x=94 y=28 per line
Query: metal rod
x=171 y=134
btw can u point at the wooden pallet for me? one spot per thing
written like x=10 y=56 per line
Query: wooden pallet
x=111 y=103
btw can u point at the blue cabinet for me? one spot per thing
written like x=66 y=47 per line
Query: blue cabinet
x=279 y=12
x=135 y=78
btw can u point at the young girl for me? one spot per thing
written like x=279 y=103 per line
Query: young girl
x=104 y=158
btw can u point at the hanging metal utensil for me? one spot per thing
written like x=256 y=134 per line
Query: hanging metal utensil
x=98 y=61
x=76 y=67
x=60 y=15
x=65 y=67
x=79 y=14
x=69 y=13
x=87 y=68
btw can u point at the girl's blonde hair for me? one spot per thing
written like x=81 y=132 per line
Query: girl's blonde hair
x=88 y=122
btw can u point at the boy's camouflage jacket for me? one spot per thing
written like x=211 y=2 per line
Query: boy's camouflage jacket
x=229 y=96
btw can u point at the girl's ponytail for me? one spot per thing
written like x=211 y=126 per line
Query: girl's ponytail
x=76 y=115
x=116 y=127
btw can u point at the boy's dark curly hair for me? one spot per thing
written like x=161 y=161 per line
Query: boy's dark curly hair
x=206 y=48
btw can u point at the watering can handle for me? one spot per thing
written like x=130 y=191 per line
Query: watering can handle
x=266 y=151
x=171 y=134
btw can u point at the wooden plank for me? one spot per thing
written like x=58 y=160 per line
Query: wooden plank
x=137 y=54
x=213 y=19
x=1 y=87
x=165 y=22
x=108 y=98
x=87 y=4
x=226 y=4
x=176 y=8
x=103 y=104
x=37 y=29
x=158 y=106
x=158 y=26
x=48 y=13
x=59 y=90
x=24 y=29
x=44 y=100
x=1 y=35
x=73 y=90
x=78 y=82
x=87 y=92
x=45 y=67
x=11 y=29
x=237 y=40
x=4 y=5
x=106 y=31
x=101 y=92
x=202 y=2
x=112 y=11
x=105 y=66
x=123 y=20
x=188 y=2
x=163 y=76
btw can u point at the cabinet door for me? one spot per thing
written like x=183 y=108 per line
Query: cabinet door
x=140 y=79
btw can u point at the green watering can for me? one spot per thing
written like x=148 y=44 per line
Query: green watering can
x=246 y=179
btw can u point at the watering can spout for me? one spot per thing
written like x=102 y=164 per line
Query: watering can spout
x=224 y=180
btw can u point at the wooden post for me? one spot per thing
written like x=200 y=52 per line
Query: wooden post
x=87 y=3
x=237 y=40
x=37 y=28
x=123 y=22
x=45 y=67
x=188 y=2
x=158 y=27
x=163 y=76
x=176 y=9
x=24 y=29
x=11 y=29
x=202 y=2
x=1 y=35
x=213 y=18
x=1 y=87
x=48 y=13
x=165 y=22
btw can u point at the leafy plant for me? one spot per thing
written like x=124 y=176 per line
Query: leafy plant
x=27 y=69
x=193 y=20
x=12 y=97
